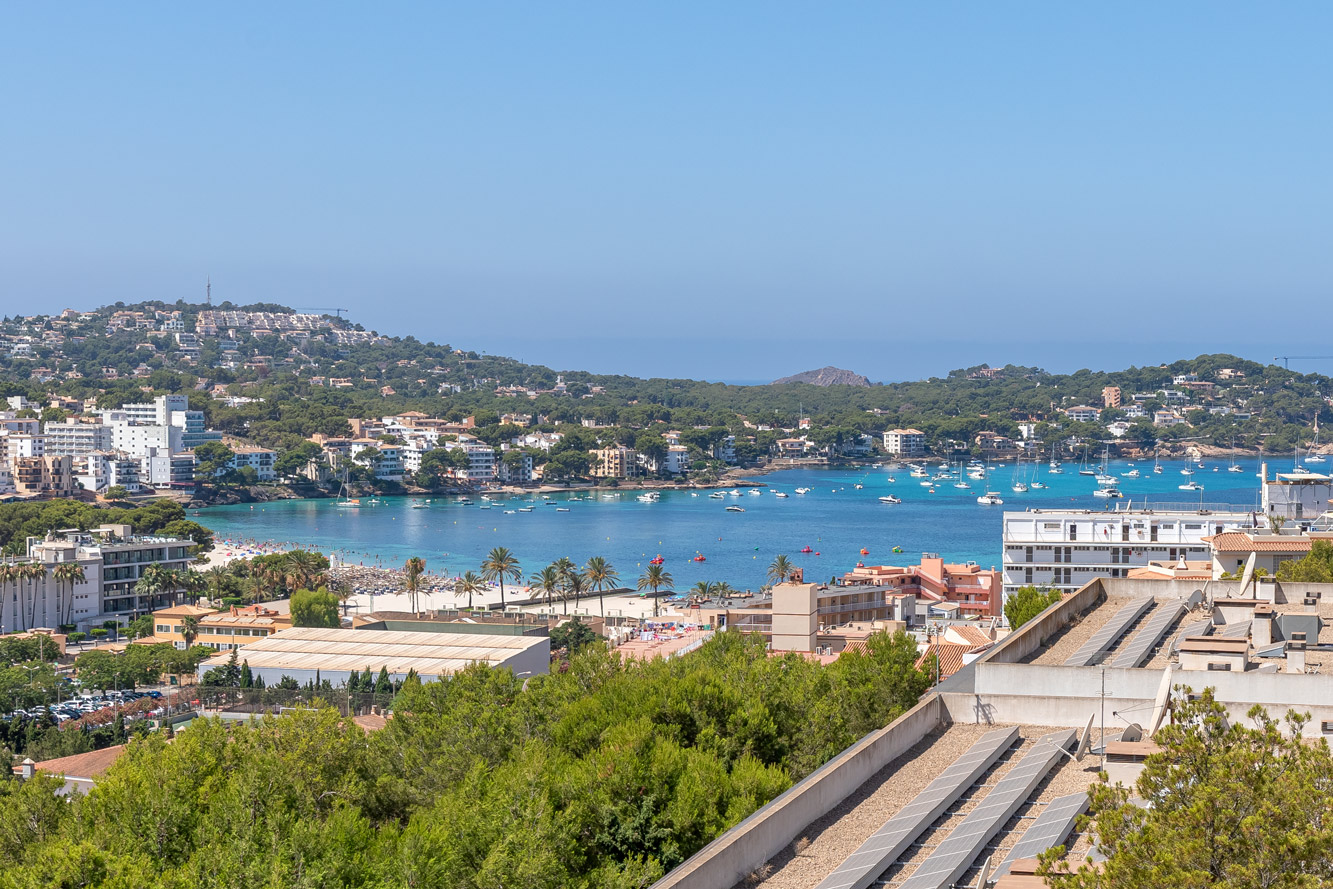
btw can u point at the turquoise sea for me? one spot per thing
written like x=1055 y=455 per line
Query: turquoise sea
x=835 y=519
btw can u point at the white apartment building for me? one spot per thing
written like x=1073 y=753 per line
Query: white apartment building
x=1298 y=497
x=77 y=439
x=1064 y=549
x=1083 y=413
x=138 y=441
x=480 y=459
x=112 y=558
x=19 y=445
x=261 y=460
x=514 y=475
x=677 y=459
x=725 y=450
x=905 y=442
x=10 y=424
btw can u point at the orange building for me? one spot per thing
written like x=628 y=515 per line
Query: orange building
x=975 y=590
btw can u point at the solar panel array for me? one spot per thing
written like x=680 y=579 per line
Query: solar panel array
x=1197 y=628
x=1049 y=829
x=1110 y=633
x=879 y=852
x=959 y=849
x=1238 y=630
x=1145 y=640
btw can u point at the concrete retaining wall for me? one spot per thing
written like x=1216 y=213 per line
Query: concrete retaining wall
x=738 y=852
x=1029 y=637
x=1065 y=696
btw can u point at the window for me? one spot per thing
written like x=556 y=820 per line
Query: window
x=1219 y=668
x=1073 y=532
x=1027 y=575
x=1027 y=554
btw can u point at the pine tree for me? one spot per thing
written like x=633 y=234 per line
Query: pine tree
x=384 y=685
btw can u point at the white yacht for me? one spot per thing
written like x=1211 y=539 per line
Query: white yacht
x=735 y=509
x=1108 y=493
x=990 y=498
x=1133 y=473
x=1190 y=486
x=889 y=498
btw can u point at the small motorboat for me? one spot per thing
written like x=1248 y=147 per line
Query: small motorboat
x=780 y=495
x=864 y=551
x=698 y=558
x=562 y=509
x=735 y=509
x=889 y=499
x=656 y=560
x=806 y=549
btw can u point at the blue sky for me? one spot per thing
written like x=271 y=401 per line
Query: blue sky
x=727 y=191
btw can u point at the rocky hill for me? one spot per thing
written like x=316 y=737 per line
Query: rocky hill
x=826 y=376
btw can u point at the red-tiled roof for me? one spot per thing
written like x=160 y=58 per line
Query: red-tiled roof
x=1240 y=542
x=950 y=656
x=83 y=765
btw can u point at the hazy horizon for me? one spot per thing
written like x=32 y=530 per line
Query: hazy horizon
x=742 y=192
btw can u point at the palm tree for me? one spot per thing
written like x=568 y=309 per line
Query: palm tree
x=343 y=590
x=191 y=581
x=779 y=570
x=567 y=570
x=468 y=584
x=6 y=578
x=151 y=582
x=216 y=576
x=189 y=629
x=500 y=563
x=303 y=569
x=412 y=571
x=704 y=589
x=548 y=580
x=654 y=578
x=576 y=585
x=600 y=575
x=67 y=576
x=33 y=572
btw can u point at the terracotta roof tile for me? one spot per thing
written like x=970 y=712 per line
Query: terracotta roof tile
x=1240 y=542
x=83 y=765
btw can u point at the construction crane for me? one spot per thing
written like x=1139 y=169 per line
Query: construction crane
x=323 y=310
x=1287 y=359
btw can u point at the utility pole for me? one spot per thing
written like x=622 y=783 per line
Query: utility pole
x=208 y=290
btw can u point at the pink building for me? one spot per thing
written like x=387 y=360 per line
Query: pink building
x=975 y=590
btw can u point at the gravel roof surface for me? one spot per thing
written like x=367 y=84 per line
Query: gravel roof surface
x=827 y=842
x=1062 y=645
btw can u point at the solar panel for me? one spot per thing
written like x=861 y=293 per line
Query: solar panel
x=1110 y=633
x=1146 y=639
x=1238 y=630
x=1049 y=829
x=882 y=849
x=1197 y=628
x=959 y=849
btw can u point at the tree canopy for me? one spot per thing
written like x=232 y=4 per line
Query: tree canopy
x=1222 y=804
x=606 y=774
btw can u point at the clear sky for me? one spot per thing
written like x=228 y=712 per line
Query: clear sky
x=720 y=190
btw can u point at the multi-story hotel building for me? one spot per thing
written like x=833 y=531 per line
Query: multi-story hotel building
x=1065 y=549
x=905 y=442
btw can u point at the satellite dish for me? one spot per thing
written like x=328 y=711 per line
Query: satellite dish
x=1133 y=733
x=1195 y=598
x=984 y=876
x=1162 y=702
x=1084 y=740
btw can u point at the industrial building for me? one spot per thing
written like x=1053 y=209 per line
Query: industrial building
x=302 y=652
